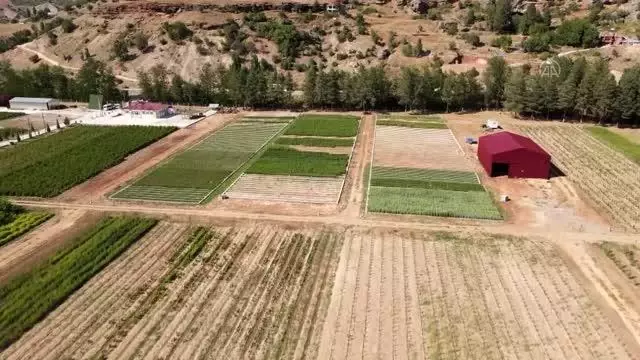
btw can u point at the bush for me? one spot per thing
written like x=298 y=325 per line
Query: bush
x=177 y=30
x=503 y=42
x=537 y=43
x=140 y=41
x=450 y=28
x=68 y=26
x=202 y=50
x=341 y=56
x=472 y=39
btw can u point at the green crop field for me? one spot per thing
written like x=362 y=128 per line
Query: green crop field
x=282 y=160
x=412 y=124
x=429 y=192
x=324 y=125
x=50 y=165
x=27 y=299
x=316 y=141
x=195 y=173
x=464 y=204
x=10 y=115
x=21 y=225
x=617 y=142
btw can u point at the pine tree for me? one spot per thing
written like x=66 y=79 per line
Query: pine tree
x=515 y=92
x=605 y=97
x=628 y=101
x=584 y=94
x=494 y=80
x=309 y=87
x=407 y=87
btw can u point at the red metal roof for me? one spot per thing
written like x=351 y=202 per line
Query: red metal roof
x=505 y=141
x=146 y=106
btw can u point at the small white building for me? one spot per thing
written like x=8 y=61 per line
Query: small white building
x=28 y=103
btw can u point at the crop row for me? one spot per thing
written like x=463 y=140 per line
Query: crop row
x=48 y=166
x=608 y=178
x=454 y=176
x=413 y=124
x=282 y=160
x=204 y=167
x=21 y=225
x=315 y=141
x=28 y=298
x=464 y=204
x=324 y=125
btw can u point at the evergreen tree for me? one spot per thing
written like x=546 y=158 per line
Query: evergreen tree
x=629 y=95
x=494 y=80
x=309 y=87
x=516 y=92
x=407 y=87
x=605 y=95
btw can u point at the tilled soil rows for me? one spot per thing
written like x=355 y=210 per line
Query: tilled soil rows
x=251 y=292
x=440 y=297
x=606 y=177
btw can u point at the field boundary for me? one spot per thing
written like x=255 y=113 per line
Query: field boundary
x=353 y=147
x=373 y=151
x=252 y=158
x=163 y=162
x=268 y=142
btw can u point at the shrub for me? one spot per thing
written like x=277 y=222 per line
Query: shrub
x=450 y=28
x=341 y=56
x=68 y=26
x=177 y=30
x=503 y=42
x=472 y=39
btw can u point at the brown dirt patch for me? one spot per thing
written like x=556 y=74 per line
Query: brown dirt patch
x=22 y=254
x=344 y=150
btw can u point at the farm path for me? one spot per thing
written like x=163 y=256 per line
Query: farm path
x=143 y=160
x=362 y=151
x=66 y=67
x=20 y=254
x=180 y=214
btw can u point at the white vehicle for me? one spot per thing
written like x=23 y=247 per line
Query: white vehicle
x=109 y=107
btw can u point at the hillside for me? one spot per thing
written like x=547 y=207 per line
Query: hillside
x=286 y=35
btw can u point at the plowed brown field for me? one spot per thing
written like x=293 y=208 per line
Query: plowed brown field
x=253 y=292
x=439 y=297
x=265 y=291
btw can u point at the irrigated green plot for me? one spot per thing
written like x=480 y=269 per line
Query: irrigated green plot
x=52 y=164
x=616 y=142
x=282 y=160
x=190 y=176
x=324 y=125
x=464 y=204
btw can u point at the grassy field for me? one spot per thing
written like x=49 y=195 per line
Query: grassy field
x=324 y=125
x=48 y=166
x=10 y=115
x=617 y=142
x=464 y=204
x=28 y=298
x=21 y=225
x=315 y=141
x=193 y=174
x=429 y=192
x=282 y=160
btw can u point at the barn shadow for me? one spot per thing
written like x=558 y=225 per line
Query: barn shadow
x=556 y=172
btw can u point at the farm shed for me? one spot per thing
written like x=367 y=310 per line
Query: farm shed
x=517 y=156
x=28 y=103
x=151 y=108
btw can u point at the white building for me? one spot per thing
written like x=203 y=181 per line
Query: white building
x=27 y=103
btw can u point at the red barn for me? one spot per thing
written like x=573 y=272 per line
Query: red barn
x=505 y=153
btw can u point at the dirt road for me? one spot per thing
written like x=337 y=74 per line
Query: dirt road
x=70 y=68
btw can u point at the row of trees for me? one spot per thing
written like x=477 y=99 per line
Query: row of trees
x=576 y=89
x=52 y=81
